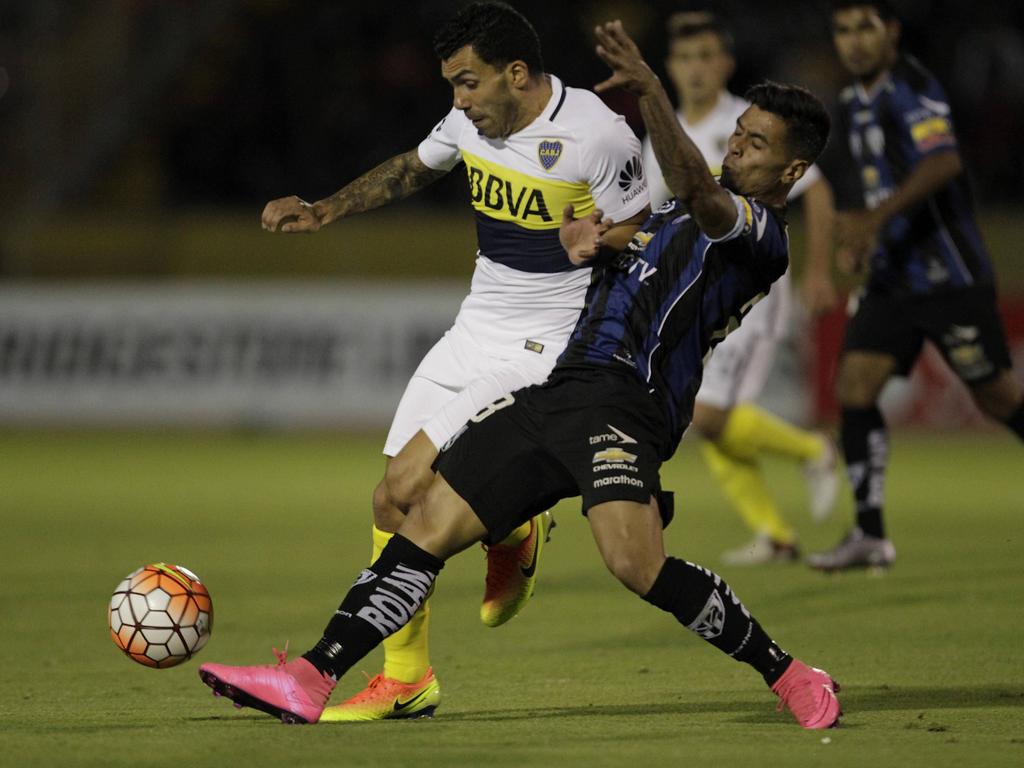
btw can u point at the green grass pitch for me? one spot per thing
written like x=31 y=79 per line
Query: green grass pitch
x=929 y=655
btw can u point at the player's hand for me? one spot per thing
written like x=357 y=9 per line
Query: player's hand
x=582 y=238
x=291 y=214
x=629 y=70
x=818 y=292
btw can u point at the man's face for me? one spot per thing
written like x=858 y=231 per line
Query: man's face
x=699 y=66
x=758 y=155
x=864 y=41
x=482 y=92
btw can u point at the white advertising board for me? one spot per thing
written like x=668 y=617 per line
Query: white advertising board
x=285 y=354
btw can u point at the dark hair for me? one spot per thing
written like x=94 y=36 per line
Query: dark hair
x=687 y=24
x=885 y=9
x=497 y=32
x=807 y=121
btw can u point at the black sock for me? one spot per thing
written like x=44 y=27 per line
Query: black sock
x=866 y=450
x=703 y=603
x=1016 y=422
x=380 y=602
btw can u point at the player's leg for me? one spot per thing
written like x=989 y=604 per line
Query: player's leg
x=752 y=431
x=737 y=433
x=737 y=470
x=743 y=483
x=381 y=600
x=389 y=593
x=969 y=332
x=613 y=445
x=629 y=536
x=488 y=467
x=512 y=563
x=407 y=674
x=455 y=382
x=881 y=341
x=486 y=461
x=1002 y=399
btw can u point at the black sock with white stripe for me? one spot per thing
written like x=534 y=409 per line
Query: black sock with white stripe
x=380 y=602
x=703 y=603
x=865 y=442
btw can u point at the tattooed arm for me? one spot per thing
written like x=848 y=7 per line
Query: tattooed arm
x=682 y=165
x=392 y=180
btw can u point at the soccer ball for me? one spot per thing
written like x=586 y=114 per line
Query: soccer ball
x=160 y=615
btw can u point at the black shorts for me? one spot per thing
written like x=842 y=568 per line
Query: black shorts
x=588 y=432
x=963 y=324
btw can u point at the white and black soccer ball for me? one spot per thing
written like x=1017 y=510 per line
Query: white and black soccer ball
x=160 y=615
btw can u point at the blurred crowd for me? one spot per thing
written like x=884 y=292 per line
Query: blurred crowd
x=193 y=103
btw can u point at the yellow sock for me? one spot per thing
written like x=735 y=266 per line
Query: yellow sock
x=743 y=484
x=517 y=535
x=750 y=431
x=406 y=653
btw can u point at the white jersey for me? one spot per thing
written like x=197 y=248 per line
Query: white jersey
x=525 y=292
x=711 y=135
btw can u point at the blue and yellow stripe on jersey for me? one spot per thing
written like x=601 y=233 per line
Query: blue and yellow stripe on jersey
x=748 y=213
x=517 y=215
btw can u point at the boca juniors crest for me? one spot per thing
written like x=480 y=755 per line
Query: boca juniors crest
x=549 y=152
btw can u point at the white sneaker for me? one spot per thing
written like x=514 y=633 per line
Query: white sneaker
x=761 y=550
x=822 y=477
x=856 y=550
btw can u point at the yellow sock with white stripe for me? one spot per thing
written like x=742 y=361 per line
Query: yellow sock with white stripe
x=750 y=431
x=743 y=484
x=406 y=653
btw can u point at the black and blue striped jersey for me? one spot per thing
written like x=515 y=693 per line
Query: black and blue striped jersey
x=672 y=295
x=902 y=120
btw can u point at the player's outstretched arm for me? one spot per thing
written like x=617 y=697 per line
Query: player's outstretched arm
x=392 y=180
x=682 y=165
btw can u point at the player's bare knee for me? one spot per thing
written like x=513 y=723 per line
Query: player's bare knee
x=406 y=483
x=852 y=392
x=386 y=516
x=860 y=381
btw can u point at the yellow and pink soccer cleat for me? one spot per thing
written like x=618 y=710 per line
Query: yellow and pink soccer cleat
x=294 y=691
x=512 y=573
x=387 y=699
x=810 y=694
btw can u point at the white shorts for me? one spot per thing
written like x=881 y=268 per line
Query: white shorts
x=738 y=368
x=455 y=380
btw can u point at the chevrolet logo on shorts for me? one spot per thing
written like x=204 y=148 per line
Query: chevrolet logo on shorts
x=614 y=454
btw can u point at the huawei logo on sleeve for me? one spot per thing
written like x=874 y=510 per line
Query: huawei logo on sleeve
x=631 y=180
x=631 y=174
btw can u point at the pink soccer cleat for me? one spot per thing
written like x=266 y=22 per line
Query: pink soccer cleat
x=295 y=691
x=810 y=694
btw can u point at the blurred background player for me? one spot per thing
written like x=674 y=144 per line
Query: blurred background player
x=928 y=273
x=736 y=431
x=530 y=146
x=633 y=367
